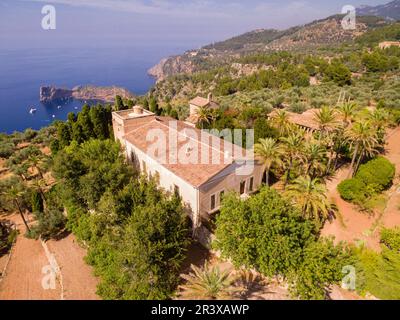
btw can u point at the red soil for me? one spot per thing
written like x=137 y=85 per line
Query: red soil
x=355 y=225
x=23 y=278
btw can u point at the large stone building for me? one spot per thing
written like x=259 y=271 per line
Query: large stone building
x=196 y=104
x=199 y=166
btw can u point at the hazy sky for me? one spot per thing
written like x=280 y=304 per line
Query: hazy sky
x=154 y=22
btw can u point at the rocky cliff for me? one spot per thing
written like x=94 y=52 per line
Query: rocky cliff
x=172 y=66
x=50 y=94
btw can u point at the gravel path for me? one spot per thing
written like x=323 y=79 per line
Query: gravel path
x=29 y=263
x=23 y=278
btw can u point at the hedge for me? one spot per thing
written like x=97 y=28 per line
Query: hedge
x=373 y=177
x=377 y=173
x=391 y=238
x=353 y=190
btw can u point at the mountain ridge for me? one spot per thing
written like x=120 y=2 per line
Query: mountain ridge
x=389 y=10
x=318 y=33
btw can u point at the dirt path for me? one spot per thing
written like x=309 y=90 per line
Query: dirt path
x=78 y=279
x=23 y=279
x=352 y=225
x=392 y=212
x=29 y=263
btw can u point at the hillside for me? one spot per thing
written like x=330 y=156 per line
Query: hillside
x=324 y=33
x=320 y=33
x=297 y=78
x=390 y=10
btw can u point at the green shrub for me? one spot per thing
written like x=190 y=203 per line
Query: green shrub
x=49 y=224
x=352 y=190
x=377 y=173
x=36 y=202
x=372 y=178
x=6 y=149
x=247 y=232
x=391 y=238
x=29 y=134
x=7 y=236
x=378 y=273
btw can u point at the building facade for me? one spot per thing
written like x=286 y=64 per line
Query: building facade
x=199 y=166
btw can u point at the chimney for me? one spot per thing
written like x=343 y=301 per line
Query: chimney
x=210 y=97
x=137 y=110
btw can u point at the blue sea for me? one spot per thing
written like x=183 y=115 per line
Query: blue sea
x=23 y=71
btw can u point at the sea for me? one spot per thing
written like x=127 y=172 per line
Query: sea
x=24 y=71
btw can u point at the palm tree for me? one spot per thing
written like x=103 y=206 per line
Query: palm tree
x=208 y=283
x=39 y=185
x=347 y=110
x=204 y=116
x=270 y=152
x=309 y=195
x=363 y=141
x=338 y=142
x=292 y=144
x=379 y=119
x=20 y=170
x=15 y=195
x=280 y=121
x=326 y=120
x=314 y=155
x=214 y=114
x=36 y=162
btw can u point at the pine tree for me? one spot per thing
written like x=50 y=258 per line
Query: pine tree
x=64 y=134
x=85 y=122
x=119 y=105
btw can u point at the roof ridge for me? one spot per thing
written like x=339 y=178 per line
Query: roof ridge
x=160 y=120
x=198 y=140
x=139 y=127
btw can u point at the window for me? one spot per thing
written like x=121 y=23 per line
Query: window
x=242 y=187
x=251 y=184
x=213 y=203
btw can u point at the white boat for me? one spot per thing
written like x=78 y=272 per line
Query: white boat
x=54 y=115
x=58 y=107
x=32 y=110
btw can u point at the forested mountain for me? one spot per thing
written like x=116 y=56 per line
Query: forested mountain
x=298 y=79
x=317 y=34
x=390 y=10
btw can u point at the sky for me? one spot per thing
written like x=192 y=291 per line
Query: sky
x=184 y=23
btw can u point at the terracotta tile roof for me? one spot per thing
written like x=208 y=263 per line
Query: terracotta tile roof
x=195 y=174
x=199 y=101
x=305 y=119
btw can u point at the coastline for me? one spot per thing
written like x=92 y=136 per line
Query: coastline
x=53 y=94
